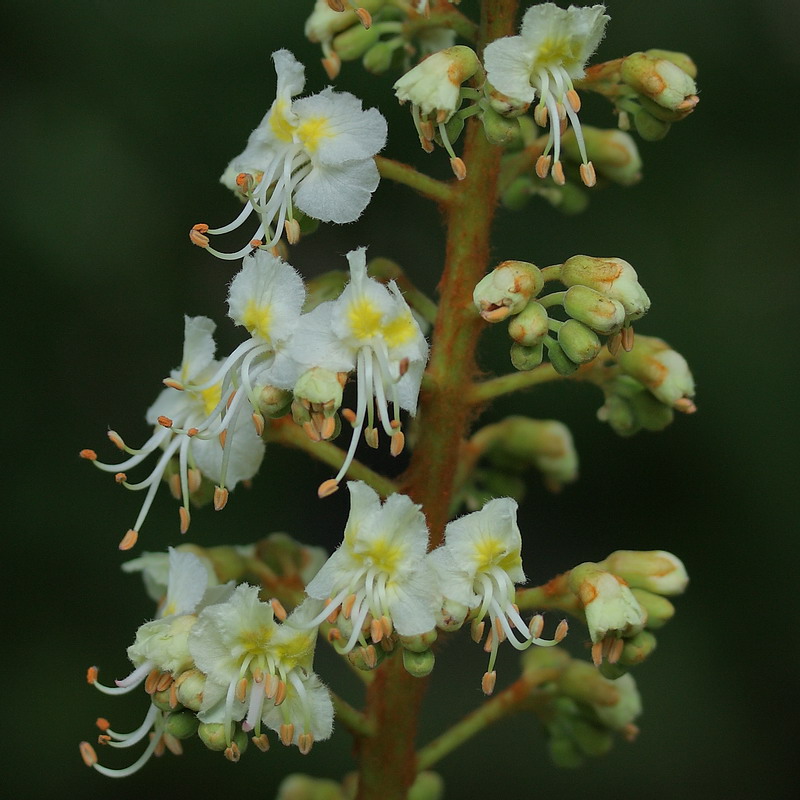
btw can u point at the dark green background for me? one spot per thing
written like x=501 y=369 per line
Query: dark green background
x=117 y=119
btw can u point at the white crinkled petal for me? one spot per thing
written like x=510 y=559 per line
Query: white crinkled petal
x=412 y=603
x=452 y=580
x=198 y=346
x=247 y=453
x=188 y=579
x=317 y=710
x=155 y=573
x=508 y=63
x=408 y=386
x=342 y=130
x=315 y=344
x=291 y=73
x=360 y=311
x=337 y=193
x=165 y=643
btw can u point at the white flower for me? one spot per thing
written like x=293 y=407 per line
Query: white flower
x=190 y=416
x=477 y=567
x=551 y=51
x=371 y=329
x=315 y=153
x=253 y=664
x=380 y=570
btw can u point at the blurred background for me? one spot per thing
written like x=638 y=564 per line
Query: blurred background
x=119 y=116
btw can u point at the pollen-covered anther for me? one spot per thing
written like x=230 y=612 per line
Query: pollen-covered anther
x=327 y=488
x=120 y=477
x=370 y=656
x=386 y=624
x=165 y=422
x=195 y=478
x=626 y=338
x=615 y=651
x=476 y=630
x=613 y=343
x=185 y=519
x=376 y=631
x=349 y=415
x=292 y=228
x=171 y=383
x=536 y=626
x=459 y=168
x=558 y=173
x=347 y=606
x=489 y=643
x=397 y=444
x=597 y=653
x=488 y=682
x=197 y=235
x=246 y=182
x=305 y=741
x=499 y=631
x=540 y=116
x=561 y=630
x=129 y=540
x=151 y=681
x=261 y=742
x=574 y=100
x=258 y=423
x=588 y=174
x=88 y=754
x=102 y=723
x=311 y=431
x=286 y=733
x=371 y=437
x=103 y=739
x=280 y=693
x=116 y=440
x=332 y=65
x=164 y=682
x=685 y=405
x=89 y=455
x=543 y=166
x=174 y=484
x=426 y=130
x=220 y=498
x=241 y=690
x=232 y=752
x=427 y=144
x=327 y=427
x=365 y=17
x=334 y=635
x=277 y=607
x=91 y=675
x=335 y=5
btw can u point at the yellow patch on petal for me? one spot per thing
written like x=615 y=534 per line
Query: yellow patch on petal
x=254 y=641
x=280 y=124
x=399 y=331
x=312 y=131
x=258 y=319
x=557 y=51
x=491 y=551
x=364 y=318
x=211 y=397
x=384 y=554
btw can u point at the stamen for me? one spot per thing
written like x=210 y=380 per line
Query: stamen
x=286 y=733
x=185 y=519
x=151 y=681
x=220 y=498
x=488 y=682
x=588 y=174
x=615 y=651
x=459 y=168
x=165 y=422
x=376 y=631
x=305 y=741
x=536 y=626
x=371 y=437
x=398 y=442
x=684 y=405
x=574 y=100
x=558 y=173
x=197 y=235
x=332 y=65
x=121 y=477
x=232 y=753
x=597 y=653
x=476 y=630
x=540 y=115
x=88 y=754
x=561 y=631
x=292 y=228
x=370 y=656
x=327 y=488
x=543 y=166
x=365 y=17
x=170 y=383
x=129 y=539
x=278 y=609
x=116 y=440
x=258 y=423
x=89 y=455
x=261 y=742
x=613 y=343
x=280 y=694
x=626 y=335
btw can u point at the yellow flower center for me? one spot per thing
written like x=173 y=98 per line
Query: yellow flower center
x=400 y=330
x=493 y=552
x=556 y=52
x=211 y=397
x=258 y=318
x=364 y=318
x=280 y=124
x=312 y=131
x=384 y=554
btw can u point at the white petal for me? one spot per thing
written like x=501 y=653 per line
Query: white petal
x=198 y=346
x=188 y=578
x=508 y=63
x=337 y=193
x=291 y=73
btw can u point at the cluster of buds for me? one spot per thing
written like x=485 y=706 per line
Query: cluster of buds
x=646 y=387
x=623 y=600
x=603 y=298
x=584 y=710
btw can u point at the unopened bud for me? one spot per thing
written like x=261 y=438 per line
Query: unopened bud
x=656 y=571
x=304 y=787
x=613 y=153
x=594 y=309
x=659 y=610
x=427 y=786
x=213 y=735
x=660 y=369
x=629 y=706
x=579 y=342
x=419 y=665
x=526 y=358
x=582 y=682
x=637 y=649
x=681 y=60
x=650 y=128
x=419 y=643
x=378 y=59
x=564 y=752
x=323 y=23
x=530 y=326
x=629 y=408
x=182 y=725
x=561 y=362
x=355 y=41
x=612 y=277
x=499 y=130
x=658 y=79
x=507 y=289
x=273 y=402
x=503 y=104
x=320 y=387
x=591 y=740
x=189 y=686
x=450 y=615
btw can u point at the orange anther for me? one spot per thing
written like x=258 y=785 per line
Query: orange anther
x=151 y=680
x=614 y=343
x=336 y=5
x=397 y=444
x=195 y=479
x=627 y=338
x=280 y=694
x=543 y=166
x=165 y=422
x=129 y=540
x=116 y=440
x=540 y=116
x=395 y=423
x=327 y=488
x=103 y=739
x=328 y=427
x=597 y=653
x=574 y=99
x=241 y=690
x=164 y=682
x=220 y=498
x=476 y=630
x=561 y=630
x=311 y=431
x=488 y=682
x=88 y=754
x=615 y=651
x=173 y=695
x=261 y=742
x=192 y=432
x=334 y=634
x=197 y=235
x=685 y=405
x=558 y=173
x=376 y=630
x=536 y=626
x=286 y=733
x=89 y=455
x=258 y=423
x=371 y=437
x=232 y=752
x=365 y=17
x=304 y=743
x=370 y=656
x=427 y=144
x=102 y=723
x=278 y=609
x=332 y=65
x=402 y=367
x=91 y=675
x=459 y=168
x=292 y=228
x=349 y=415
x=222 y=437
x=171 y=383
x=120 y=477
x=386 y=624
x=588 y=175
x=347 y=606
x=185 y=519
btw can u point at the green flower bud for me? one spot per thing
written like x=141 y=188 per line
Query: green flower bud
x=629 y=407
x=273 y=402
x=378 y=59
x=609 y=605
x=659 y=610
x=213 y=735
x=182 y=725
x=621 y=715
x=189 y=686
x=637 y=649
x=564 y=752
x=583 y=683
x=427 y=786
x=530 y=326
x=365 y=658
x=518 y=193
x=650 y=128
x=678 y=59
x=613 y=153
x=612 y=277
x=503 y=104
x=290 y=559
x=322 y=288
x=507 y=289
x=561 y=362
x=304 y=787
x=659 y=80
x=229 y=563
x=324 y=23
x=355 y=41
x=654 y=570
x=450 y=615
x=569 y=199
x=536 y=658
x=161 y=700
x=320 y=387
x=419 y=643
x=591 y=740
x=594 y=309
x=662 y=370
x=526 y=358
x=499 y=129
x=419 y=665
x=579 y=342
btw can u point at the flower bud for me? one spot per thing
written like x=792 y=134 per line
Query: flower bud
x=182 y=725
x=658 y=79
x=600 y=313
x=564 y=752
x=427 y=786
x=637 y=649
x=583 y=683
x=213 y=735
x=320 y=387
x=450 y=615
x=324 y=23
x=304 y=787
x=678 y=59
x=355 y=41
x=419 y=665
x=507 y=289
x=503 y=104
x=289 y=559
x=650 y=128
x=659 y=610
x=500 y=130
x=162 y=700
x=189 y=686
x=656 y=571
x=273 y=402
x=530 y=326
x=629 y=407
x=366 y=658
x=378 y=59
x=591 y=740
x=608 y=603
x=419 y=643
x=612 y=152
x=580 y=343
x=660 y=369
x=621 y=715
x=526 y=358
x=434 y=85
x=165 y=642
x=229 y=562
x=561 y=362
x=612 y=277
